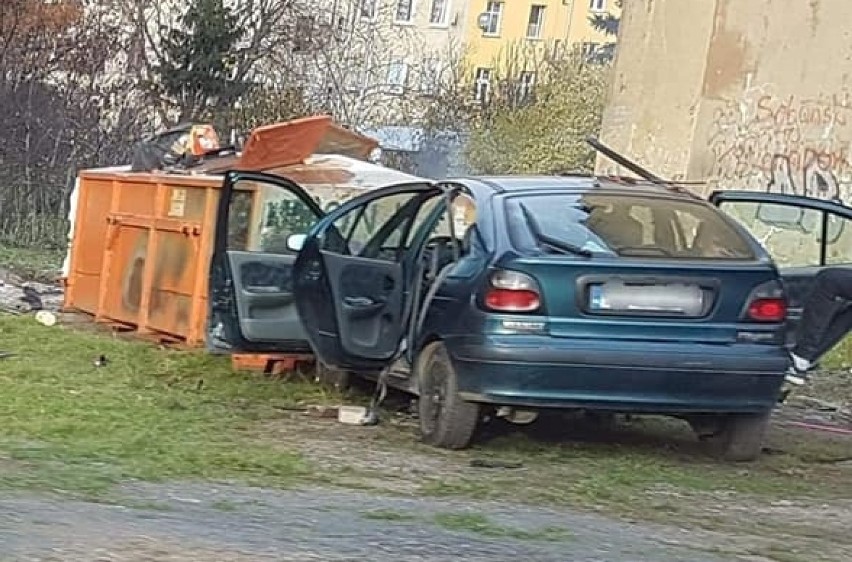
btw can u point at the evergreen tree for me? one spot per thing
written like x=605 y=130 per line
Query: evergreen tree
x=198 y=60
x=608 y=24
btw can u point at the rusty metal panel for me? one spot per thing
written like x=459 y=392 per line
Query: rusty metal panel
x=89 y=236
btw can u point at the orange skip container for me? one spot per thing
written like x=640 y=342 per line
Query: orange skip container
x=141 y=242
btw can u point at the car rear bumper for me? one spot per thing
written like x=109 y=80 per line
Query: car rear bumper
x=649 y=377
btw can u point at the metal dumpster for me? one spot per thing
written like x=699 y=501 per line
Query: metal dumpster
x=140 y=245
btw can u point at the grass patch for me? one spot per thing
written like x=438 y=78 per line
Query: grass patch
x=30 y=263
x=841 y=356
x=652 y=463
x=479 y=524
x=148 y=415
x=225 y=505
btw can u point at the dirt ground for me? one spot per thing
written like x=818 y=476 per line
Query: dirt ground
x=393 y=519
x=196 y=522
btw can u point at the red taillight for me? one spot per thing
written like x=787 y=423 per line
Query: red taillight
x=511 y=301
x=768 y=310
x=511 y=291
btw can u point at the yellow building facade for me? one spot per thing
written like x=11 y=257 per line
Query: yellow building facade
x=506 y=38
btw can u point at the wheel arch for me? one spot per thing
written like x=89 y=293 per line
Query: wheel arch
x=423 y=343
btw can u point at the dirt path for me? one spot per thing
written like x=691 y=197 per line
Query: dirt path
x=203 y=521
x=200 y=522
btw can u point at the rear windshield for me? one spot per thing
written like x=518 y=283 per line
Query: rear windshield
x=635 y=226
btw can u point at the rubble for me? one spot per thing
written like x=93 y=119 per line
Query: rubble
x=19 y=296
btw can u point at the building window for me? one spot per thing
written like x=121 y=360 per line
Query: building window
x=536 y=22
x=368 y=9
x=493 y=16
x=404 y=11
x=597 y=5
x=397 y=77
x=303 y=33
x=356 y=80
x=482 y=84
x=526 y=83
x=589 y=49
x=439 y=13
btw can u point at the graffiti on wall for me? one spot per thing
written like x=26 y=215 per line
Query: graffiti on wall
x=784 y=144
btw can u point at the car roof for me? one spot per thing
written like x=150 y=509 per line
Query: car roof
x=576 y=183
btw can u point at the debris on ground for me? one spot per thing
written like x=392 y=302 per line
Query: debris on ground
x=19 y=296
x=494 y=463
x=322 y=411
x=46 y=318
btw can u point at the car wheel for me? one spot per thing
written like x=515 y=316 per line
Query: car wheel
x=741 y=437
x=331 y=378
x=446 y=421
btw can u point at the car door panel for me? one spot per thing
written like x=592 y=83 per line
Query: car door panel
x=263 y=288
x=799 y=273
x=353 y=297
x=370 y=304
x=252 y=303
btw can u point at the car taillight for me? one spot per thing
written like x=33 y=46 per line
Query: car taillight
x=511 y=291
x=772 y=309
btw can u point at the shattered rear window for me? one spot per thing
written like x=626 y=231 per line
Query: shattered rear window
x=627 y=225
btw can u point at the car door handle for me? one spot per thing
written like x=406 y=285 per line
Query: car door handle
x=362 y=307
x=359 y=302
x=263 y=289
x=267 y=298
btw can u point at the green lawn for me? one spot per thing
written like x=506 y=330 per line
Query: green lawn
x=149 y=414
x=32 y=264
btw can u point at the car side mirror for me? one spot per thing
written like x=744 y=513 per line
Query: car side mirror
x=295 y=242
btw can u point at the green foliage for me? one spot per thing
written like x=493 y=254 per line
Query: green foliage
x=607 y=22
x=546 y=133
x=199 y=59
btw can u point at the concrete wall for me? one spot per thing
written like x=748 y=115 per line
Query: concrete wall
x=742 y=95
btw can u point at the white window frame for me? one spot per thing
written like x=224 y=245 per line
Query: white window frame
x=482 y=84
x=494 y=15
x=539 y=25
x=589 y=48
x=412 y=11
x=597 y=5
x=373 y=12
x=357 y=80
x=397 y=77
x=526 y=84
x=445 y=15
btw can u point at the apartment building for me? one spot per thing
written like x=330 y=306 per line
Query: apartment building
x=508 y=39
x=380 y=60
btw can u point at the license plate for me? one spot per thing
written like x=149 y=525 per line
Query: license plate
x=670 y=298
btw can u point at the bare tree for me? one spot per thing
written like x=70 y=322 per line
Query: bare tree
x=63 y=109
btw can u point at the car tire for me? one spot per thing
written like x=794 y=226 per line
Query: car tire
x=334 y=379
x=446 y=420
x=741 y=437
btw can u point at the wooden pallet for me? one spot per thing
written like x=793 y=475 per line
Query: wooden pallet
x=269 y=363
